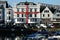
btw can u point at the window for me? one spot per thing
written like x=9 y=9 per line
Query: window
x=43 y=15
x=9 y=17
x=48 y=15
x=0 y=12
x=17 y=9
x=35 y=15
x=19 y=19
x=30 y=15
x=9 y=12
x=22 y=20
x=22 y=9
x=30 y=9
x=35 y=20
x=35 y=9
x=32 y=19
x=0 y=17
x=17 y=15
x=46 y=11
x=58 y=14
x=22 y=15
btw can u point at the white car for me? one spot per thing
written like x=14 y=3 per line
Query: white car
x=43 y=25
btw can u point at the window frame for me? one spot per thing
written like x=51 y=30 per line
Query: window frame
x=46 y=11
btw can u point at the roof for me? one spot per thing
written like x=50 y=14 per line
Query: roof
x=25 y=2
x=50 y=5
x=51 y=8
x=42 y=8
x=5 y=2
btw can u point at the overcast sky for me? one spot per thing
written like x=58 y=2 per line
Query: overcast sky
x=55 y=2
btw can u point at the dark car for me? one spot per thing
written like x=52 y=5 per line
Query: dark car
x=57 y=33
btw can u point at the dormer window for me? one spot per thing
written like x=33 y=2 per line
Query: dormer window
x=46 y=11
x=58 y=14
x=21 y=3
x=58 y=11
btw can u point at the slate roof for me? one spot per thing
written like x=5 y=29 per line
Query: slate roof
x=51 y=7
x=25 y=2
x=43 y=6
x=7 y=5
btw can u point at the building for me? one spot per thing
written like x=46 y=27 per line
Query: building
x=46 y=15
x=3 y=5
x=6 y=13
x=9 y=15
x=29 y=13
x=26 y=13
x=50 y=14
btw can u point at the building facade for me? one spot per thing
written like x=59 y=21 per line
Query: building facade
x=6 y=13
x=29 y=13
x=26 y=13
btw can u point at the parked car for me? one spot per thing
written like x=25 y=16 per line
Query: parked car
x=57 y=33
x=50 y=25
x=43 y=25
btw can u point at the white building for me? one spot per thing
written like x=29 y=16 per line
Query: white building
x=29 y=14
x=8 y=15
x=46 y=15
x=3 y=5
x=6 y=12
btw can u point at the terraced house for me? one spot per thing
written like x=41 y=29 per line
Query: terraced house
x=4 y=8
x=26 y=13
x=29 y=13
x=50 y=14
x=36 y=13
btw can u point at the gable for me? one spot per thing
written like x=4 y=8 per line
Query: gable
x=46 y=10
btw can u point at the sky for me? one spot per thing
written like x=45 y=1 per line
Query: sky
x=54 y=2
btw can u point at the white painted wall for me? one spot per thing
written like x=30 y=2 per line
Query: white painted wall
x=46 y=14
x=24 y=6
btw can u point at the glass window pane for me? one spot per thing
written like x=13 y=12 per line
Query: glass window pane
x=17 y=15
x=48 y=15
x=30 y=9
x=43 y=15
x=46 y=11
x=35 y=9
x=35 y=15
